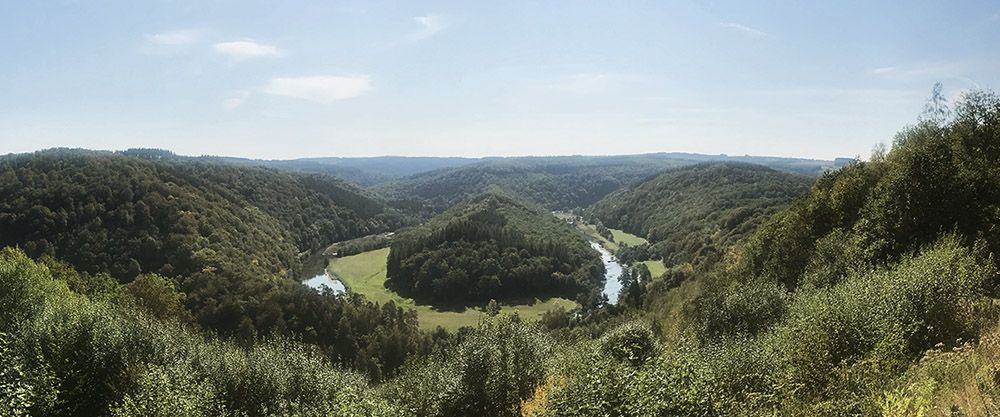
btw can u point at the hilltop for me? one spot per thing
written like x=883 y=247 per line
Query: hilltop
x=492 y=247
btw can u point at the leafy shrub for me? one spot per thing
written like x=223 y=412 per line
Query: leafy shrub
x=491 y=373
x=632 y=343
x=859 y=334
x=737 y=310
x=70 y=355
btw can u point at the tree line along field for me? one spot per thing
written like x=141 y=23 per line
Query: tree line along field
x=364 y=274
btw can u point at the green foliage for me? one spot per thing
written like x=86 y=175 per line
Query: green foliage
x=359 y=245
x=555 y=183
x=591 y=381
x=490 y=373
x=123 y=215
x=160 y=298
x=694 y=214
x=737 y=310
x=555 y=319
x=936 y=179
x=851 y=283
x=70 y=355
x=880 y=320
x=492 y=308
x=604 y=232
x=164 y=391
x=492 y=247
x=560 y=183
x=843 y=303
x=229 y=237
x=632 y=343
x=20 y=297
x=833 y=352
x=22 y=387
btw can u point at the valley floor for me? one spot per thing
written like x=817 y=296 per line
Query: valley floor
x=656 y=268
x=365 y=274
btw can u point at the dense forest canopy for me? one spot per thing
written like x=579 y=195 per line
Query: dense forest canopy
x=366 y=171
x=492 y=247
x=693 y=214
x=559 y=183
x=173 y=217
x=228 y=237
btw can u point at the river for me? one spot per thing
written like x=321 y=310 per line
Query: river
x=613 y=270
x=612 y=285
x=323 y=280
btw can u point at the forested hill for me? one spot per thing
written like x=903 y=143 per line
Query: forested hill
x=365 y=171
x=228 y=237
x=558 y=183
x=861 y=297
x=127 y=215
x=372 y=171
x=492 y=247
x=693 y=214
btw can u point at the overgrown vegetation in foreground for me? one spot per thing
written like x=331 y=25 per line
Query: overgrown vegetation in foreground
x=106 y=353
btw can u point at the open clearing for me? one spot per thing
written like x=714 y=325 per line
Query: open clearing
x=590 y=230
x=656 y=268
x=627 y=238
x=364 y=274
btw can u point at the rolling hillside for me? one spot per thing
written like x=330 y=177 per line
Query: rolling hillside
x=229 y=238
x=559 y=183
x=492 y=247
x=694 y=213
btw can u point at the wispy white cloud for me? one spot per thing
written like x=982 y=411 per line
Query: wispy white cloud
x=920 y=71
x=174 y=37
x=745 y=30
x=430 y=25
x=246 y=49
x=324 y=89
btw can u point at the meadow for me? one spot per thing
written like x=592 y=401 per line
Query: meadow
x=365 y=274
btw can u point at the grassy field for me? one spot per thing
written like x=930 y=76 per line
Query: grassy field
x=591 y=232
x=627 y=238
x=364 y=274
x=656 y=268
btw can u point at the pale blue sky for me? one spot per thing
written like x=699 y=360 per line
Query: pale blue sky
x=471 y=78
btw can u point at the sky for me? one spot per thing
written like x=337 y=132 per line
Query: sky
x=278 y=80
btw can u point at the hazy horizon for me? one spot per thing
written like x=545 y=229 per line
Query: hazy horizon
x=357 y=79
x=440 y=156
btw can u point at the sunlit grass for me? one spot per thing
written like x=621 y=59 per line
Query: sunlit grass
x=627 y=238
x=365 y=274
x=656 y=268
